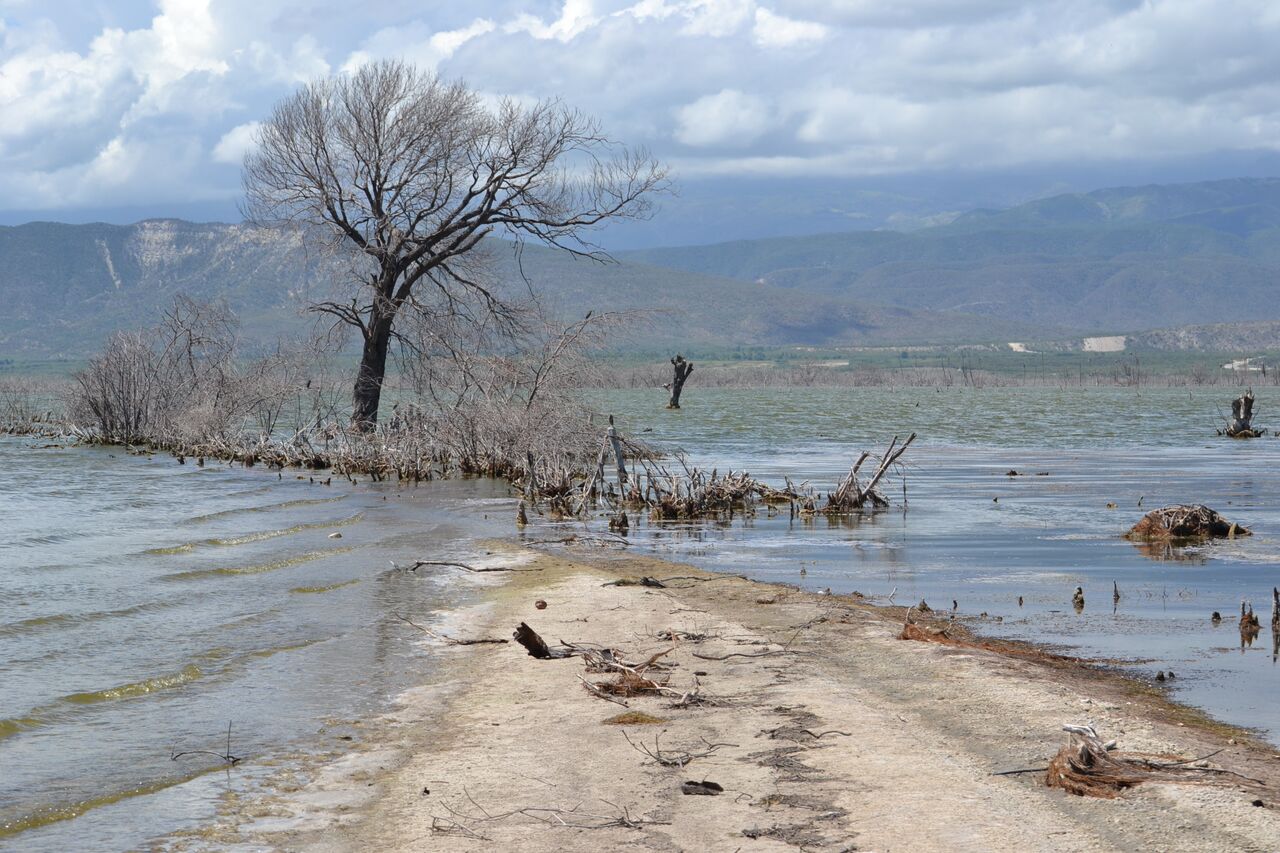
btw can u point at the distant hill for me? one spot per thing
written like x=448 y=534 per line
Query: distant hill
x=1238 y=206
x=1113 y=260
x=66 y=287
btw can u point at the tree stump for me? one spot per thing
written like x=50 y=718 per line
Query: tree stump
x=681 y=371
x=1241 y=425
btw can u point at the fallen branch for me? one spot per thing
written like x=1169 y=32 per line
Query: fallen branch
x=466 y=568
x=774 y=733
x=739 y=655
x=445 y=637
x=673 y=759
x=597 y=692
x=1087 y=767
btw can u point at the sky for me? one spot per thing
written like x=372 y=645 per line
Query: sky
x=125 y=109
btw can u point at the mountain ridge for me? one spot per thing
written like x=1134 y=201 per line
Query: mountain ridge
x=1156 y=257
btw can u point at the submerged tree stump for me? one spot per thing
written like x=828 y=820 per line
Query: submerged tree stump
x=1241 y=425
x=1181 y=523
x=681 y=370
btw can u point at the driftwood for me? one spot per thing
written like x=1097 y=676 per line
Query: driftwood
x=417 y=564
x=538 y=648
x=453 y=641
x=1088 y=767
x=1186 y=523
x=634 y=679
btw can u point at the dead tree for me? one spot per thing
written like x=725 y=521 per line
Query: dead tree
x=851 y=495
x=1241 y=425
x=410 y=174
x=681 y=371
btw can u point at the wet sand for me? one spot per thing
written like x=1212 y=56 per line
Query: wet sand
x=824 y=729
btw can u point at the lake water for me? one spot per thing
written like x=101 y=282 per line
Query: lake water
x=145 y=604
x=971 y=534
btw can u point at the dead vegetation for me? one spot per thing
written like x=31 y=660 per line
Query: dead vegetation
x=481 y=398
x=691 y=493
x=1184 y=523
x=1088 y=767
x=478 y=399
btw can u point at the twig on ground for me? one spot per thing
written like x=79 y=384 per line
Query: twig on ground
x=596 y=691
x=445 y=637
x=570 y=818
x=739 y=655
x=417 y=564
x=668 y=758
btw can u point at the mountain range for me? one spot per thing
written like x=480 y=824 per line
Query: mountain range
x=1116 y=260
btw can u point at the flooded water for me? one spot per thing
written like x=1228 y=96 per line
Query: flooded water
x=1090 y=463
x=145 y=605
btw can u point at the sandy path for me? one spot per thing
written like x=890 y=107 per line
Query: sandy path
x=908 y=735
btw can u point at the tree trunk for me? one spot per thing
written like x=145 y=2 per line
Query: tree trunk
x=373 y=370
x=1242 y=415
x=681 y=371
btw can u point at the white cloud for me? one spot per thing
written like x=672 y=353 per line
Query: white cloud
x=235 y=143
x=417 y=44
x=576 y=16
x=774 y=30
x=100 y=105
x=718 y=18
x=729 y=118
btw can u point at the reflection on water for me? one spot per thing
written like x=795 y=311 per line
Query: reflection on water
x=146 y=604
x=1015 y=548
x=1169 y=552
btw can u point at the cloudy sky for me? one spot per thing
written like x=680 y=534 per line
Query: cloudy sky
x=130 y=108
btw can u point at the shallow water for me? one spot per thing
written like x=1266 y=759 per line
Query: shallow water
x=144 y=605
x=971 y=534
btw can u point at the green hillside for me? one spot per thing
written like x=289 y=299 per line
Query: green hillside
x=68 y=287
x=1119 y=259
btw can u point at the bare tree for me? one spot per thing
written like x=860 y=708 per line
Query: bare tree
x=411 y=173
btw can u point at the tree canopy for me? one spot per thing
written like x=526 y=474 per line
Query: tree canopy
x=411 y=173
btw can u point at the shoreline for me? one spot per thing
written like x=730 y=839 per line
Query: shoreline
x=823 y=727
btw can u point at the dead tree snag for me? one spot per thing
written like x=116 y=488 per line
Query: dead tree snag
x=680 y=373
x=1241 y=425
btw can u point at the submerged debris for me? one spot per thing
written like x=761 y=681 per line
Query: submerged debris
x=1241 y=424
x=1185 y=523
